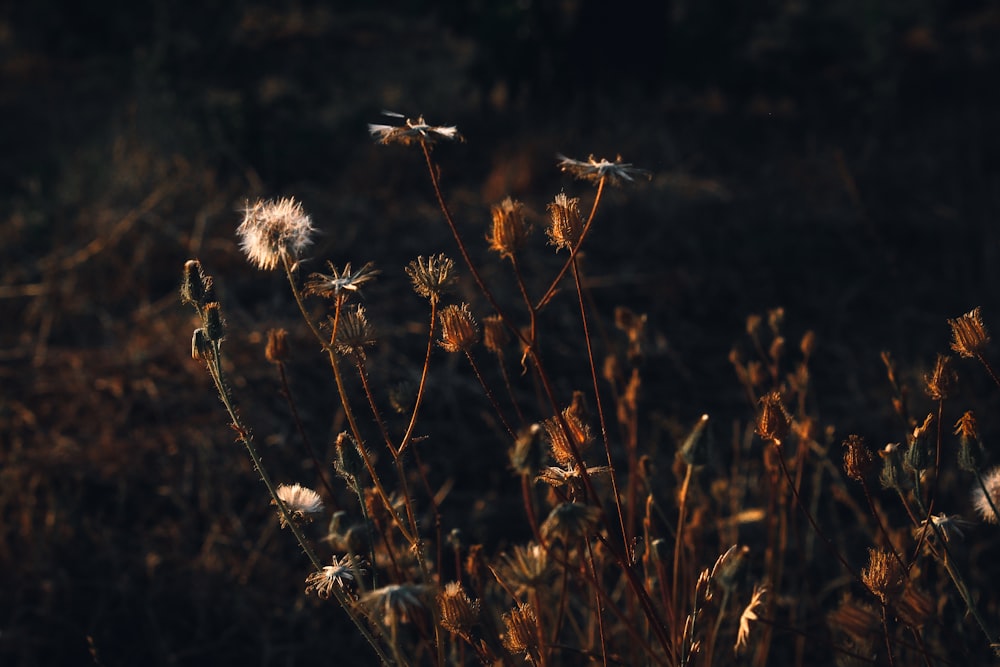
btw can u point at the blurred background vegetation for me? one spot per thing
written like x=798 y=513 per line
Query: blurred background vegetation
x=840 y=159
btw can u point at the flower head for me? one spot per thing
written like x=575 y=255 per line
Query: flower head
x=597 y=170
x=458 y=328
x=565 y=224
x=526 y=567
x=969 y=336
x=340 y=574
x=301 y=502
x=412 y=131
x=571 y=521
x=273 y=231
x=987 y=503
x=398 y=603
x=521 y=636
x=885 y=575
x=338 y=284
x=509 y=228
x=354 y=333
x=459 y=612
x=432 y=276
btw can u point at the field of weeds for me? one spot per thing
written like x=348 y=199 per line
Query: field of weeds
x=622 y=339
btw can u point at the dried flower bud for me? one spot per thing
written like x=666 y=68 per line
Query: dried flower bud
x=773 y=420
x=354 y=333
x=458 y=328
x=524 y=455
x=971 y=453
x=565 y=224
x=458 y=611
x=348 y=462
x=520 y=636
x=563 y=441
x=570 y=522
x=201 y=346
x=431 y=277
x=858 y=458
x=775 y=318
x=510 y=230
x=495 y=335
x=969 y=336
x=893 y=476
x=277 y=346
x=808 y=344
x=193 y=283
x=918 y=454
x=941 y=381
x=214 y=326
x=885 y=576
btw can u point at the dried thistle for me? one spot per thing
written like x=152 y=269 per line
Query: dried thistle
x=354 y=333
x=941 y=381
x=339 y=283
x=565 y=224
x=459 y=612
x=885 y=576
x=397 y=603
x=510 y=230
x=273 y=231
x=458 y=328
x=596 y=170
x=301 y=502
x=858 y=458
x=773 y=420
x=562 y=441
x=521 y=636
x=194 y=284
x=969 y=335
x=431 y=277
x=412 y=131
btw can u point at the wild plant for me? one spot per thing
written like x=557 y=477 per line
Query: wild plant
x=699 y=555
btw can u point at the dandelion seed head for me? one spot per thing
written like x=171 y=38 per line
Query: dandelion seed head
x=273 y=231
x=981 y=501
x=301 y=502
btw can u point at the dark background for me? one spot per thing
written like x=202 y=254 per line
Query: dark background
x=839 y=159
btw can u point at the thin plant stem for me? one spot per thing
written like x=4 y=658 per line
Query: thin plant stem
x=408 y=436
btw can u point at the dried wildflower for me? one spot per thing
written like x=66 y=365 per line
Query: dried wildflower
x=398 y=603
x=941 y=381
x=987 y=501
x=339 y=283
x=412 y=131
x=885 y=576
x=277 y=346
x=576 y=436
x=510 y=230
x=773 y=420
x=340 y=574
x=749 y=614
x=458 y=611
x=348 y=462
x=525 y=567
x=893 y=476
x=569 y=522
x=560 y=477
x=458 y=328
x=969 y=336
x=918 y=453
x=945 y=526
x=808 y=344
x=301 y=502
x=695 y=449
x=597 y=170
x=274 y=231
x=858 y=458
x=971 y=452
x=521 y=636
x=354 y=333
x=495 y=335
x=565 y=224
x=431 y=277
